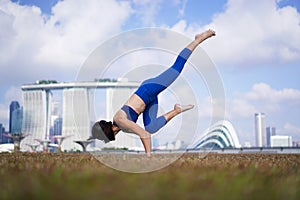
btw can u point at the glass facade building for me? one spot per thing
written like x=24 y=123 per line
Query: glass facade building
x=2 y=137
x=14 y=105
x=57 y=127
x=16 y=120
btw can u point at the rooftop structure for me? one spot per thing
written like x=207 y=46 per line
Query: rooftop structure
x=86 y=85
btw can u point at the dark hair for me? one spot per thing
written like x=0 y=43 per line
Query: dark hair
x=102 y=130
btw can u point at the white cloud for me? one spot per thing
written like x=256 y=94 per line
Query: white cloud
x=146 y=10
x=263 y=92
x=263 y=98
x=249 y=33
x=182 y=9
x=290 y=128
x=4 y=115
x=35 y=45
x=77 y=27
x=12 y=94
x=180 y=26
x=241 y=108
x=275 y=103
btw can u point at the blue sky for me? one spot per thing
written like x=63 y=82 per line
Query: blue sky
x=256 y=50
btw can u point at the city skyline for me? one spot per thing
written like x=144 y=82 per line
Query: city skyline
x=257 y=55
x=79 y=96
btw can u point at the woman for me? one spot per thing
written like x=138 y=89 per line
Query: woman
x=144 y=100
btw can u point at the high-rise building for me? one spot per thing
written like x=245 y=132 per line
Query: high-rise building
x=76 y=122
x=271 y=131
x=36 y=116
x=260 y=129
x=57 y=127
x=4 y=139
x=16 y=120
x=1 y=133
x=56 y=119
x=14 y=105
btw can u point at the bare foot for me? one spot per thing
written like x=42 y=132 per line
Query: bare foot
x=203 y=36
x=182 y=108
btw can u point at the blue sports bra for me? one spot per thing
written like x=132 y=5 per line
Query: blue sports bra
x=131 y=114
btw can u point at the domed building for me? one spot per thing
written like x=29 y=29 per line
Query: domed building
x=220 y=135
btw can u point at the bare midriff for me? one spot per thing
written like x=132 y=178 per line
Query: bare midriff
x=136 y=103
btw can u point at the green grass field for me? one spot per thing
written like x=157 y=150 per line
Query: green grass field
x=192 y=176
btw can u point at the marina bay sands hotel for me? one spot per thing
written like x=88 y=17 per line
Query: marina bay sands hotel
x=78 y=115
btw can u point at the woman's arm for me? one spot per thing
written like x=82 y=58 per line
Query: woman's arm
x=129 y=126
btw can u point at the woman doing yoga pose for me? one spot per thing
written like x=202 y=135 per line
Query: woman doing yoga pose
x=144 y=100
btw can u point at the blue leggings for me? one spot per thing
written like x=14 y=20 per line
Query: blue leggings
x=149 y=90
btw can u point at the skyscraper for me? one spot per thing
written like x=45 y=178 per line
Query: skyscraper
x=57 y=127
x=75 y=117
x=1 y=134
x=16 y=120
x=271 y=131
x=260 y=129
x=36 y=113
x=14 y=105
x=56 y=120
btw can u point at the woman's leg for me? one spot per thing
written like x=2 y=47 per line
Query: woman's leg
x=159 y=83
x=177 y=110
x=150 y=88
x=152 y=123
x=200 y=38
x=156 y=85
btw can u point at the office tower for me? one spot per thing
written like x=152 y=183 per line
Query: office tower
x=16 y=120
x=57 y=127
x=14 y=105
x=271 y=131
x=3 y=139
x=260 y=129
x=55 y=119
x=75 y=117
x=36 y=116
